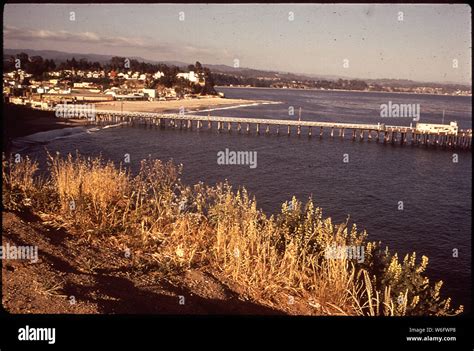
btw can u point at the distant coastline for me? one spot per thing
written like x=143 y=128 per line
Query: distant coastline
x=344 y=90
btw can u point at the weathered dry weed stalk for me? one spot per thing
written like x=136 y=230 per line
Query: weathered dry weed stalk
x=179 y=227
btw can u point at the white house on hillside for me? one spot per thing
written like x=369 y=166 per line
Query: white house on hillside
x=191 y=76
x=158 y=75
x=150 y=93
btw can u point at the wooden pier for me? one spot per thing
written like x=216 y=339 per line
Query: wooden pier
x=371 y=132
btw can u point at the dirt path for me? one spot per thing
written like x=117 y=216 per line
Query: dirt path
x=75 y=276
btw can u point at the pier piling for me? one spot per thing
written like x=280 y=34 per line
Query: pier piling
x=461 y=139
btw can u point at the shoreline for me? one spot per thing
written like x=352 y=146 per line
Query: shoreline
x=21 y=121
x=170 y=106
x=343 y=90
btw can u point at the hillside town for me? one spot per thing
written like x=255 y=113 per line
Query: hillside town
x=39 y=83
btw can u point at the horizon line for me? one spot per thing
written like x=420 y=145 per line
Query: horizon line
x=256 y=69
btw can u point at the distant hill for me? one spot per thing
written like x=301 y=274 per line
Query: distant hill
x=244 y=72
x=60 y=56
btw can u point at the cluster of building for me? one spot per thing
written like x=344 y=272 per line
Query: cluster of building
x=429 y=90
x=72 y=86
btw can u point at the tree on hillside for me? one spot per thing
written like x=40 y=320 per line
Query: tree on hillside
x=198 y=66
x=73 y=63
x=23 y=58
x=117 y=63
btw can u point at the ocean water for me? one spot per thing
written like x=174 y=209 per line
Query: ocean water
x=435 y=191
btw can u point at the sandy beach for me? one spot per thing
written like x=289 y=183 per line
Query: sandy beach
x=21 y=121
x=174 y=105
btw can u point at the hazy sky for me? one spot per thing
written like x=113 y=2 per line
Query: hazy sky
x=317 y=40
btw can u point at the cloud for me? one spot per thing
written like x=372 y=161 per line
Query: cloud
x=181 y=49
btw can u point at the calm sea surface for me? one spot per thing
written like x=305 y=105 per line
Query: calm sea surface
x=436 y=192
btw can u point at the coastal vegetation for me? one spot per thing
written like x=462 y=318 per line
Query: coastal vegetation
x=220 y=75
x=41 y=69
x=175 y=227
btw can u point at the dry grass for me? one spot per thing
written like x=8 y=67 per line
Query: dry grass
x=178 y=227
